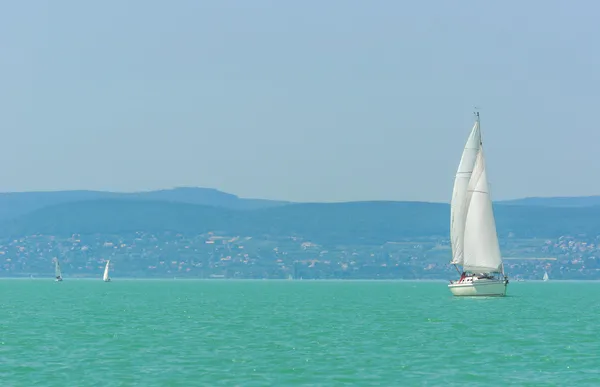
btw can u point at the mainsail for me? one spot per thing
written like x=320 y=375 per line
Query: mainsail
x=481 y=248
x=461 y=196
x=106 y=268
x=57 y=272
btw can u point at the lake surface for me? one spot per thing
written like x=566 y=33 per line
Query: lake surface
x=282 y=333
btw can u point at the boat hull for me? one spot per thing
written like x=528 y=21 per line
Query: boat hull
x=482 y=287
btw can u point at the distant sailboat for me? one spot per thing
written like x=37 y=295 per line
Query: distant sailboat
x=473 y=228
x=57 y=272
x=545 y=276
x=105 y=277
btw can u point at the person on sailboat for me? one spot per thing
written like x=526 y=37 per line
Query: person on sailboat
x=462 y=276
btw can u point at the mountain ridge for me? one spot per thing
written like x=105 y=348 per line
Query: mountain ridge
x=53 y=211
x=327 y=223
x=556 y=201
x=15 y=204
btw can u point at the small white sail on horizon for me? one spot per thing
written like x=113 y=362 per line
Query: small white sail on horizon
x=546 y=278
x=57 y=271
x=105 y=277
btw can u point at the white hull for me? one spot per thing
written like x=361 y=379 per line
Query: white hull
x=479 y=287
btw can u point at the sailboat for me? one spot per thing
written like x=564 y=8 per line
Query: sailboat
x=473 y=228
x=57 y=272
x=105 y=277
x=545 y=276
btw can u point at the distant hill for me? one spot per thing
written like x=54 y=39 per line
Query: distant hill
x=15 y=204
x=340 y=222
x=576 y=201
x=114 y=216
x=331 y=223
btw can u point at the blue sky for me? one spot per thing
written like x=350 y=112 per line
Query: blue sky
x=310 y=101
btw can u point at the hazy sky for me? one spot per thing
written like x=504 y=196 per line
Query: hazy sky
x=299 y=100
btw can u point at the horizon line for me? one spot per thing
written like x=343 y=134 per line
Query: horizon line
x=175 y=188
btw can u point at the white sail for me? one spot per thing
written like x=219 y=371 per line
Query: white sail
x=545 y=276
x=461 y=196
x=57 y=272
x=106 y=268
x=481 y=249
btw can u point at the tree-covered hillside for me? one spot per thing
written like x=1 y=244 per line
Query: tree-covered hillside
x=15 y=204
x=361 y=222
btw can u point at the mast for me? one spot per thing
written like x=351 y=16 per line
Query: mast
x=478 y=120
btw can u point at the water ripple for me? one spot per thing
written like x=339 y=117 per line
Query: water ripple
x=279 y=333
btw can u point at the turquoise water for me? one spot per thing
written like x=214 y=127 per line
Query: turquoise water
x=281 y=333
